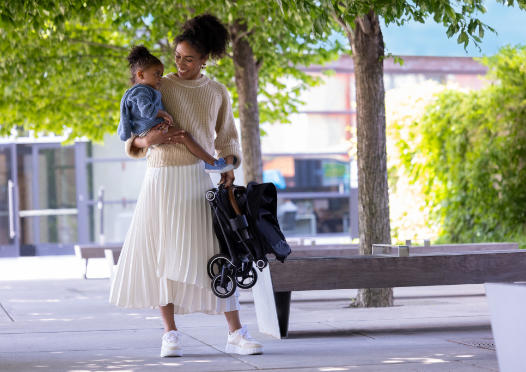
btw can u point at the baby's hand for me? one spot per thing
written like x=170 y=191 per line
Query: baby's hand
x=167 y=118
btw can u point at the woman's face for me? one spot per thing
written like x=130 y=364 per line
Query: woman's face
x=188 y=61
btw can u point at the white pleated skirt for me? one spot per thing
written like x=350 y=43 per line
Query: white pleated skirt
x=167 y=248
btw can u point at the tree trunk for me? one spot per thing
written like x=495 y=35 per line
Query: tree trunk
x=373 y=196
x=246 y=73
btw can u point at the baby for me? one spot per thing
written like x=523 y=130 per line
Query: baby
x=142 y=109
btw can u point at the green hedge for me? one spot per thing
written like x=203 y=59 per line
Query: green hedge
x=472 y=155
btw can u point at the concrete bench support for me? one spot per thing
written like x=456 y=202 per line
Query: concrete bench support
x=87 y=251
x=112 y=257
x=272 y=291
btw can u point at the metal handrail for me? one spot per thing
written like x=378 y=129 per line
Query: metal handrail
x=48 y=212
x=100 y=206
x=11 y=195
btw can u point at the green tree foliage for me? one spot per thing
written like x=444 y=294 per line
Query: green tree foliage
x=469 y=150
x=459 y=17
x=73 y=84
x=64 y=64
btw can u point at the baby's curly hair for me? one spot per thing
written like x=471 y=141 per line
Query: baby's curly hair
x=206 y=34
x=140 y=58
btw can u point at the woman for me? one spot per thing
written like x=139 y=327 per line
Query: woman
x=164 y=257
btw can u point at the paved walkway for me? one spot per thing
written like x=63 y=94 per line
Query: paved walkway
x=67 y=325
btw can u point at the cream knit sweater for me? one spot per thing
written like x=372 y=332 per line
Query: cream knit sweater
x=202 y=108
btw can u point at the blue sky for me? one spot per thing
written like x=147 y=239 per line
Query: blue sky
x=430 y=39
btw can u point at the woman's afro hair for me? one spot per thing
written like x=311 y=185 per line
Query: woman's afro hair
x=140 y=58
x=206 y=34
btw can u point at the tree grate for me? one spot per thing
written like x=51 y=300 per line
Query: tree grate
x=482 y=343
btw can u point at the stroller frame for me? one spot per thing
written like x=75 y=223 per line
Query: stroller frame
x=229 y=271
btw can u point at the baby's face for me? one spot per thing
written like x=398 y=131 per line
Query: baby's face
x=151 y=76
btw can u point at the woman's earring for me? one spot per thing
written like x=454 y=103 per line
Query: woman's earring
x=203 y=66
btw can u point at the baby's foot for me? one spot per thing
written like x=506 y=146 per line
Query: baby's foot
x=220 y=166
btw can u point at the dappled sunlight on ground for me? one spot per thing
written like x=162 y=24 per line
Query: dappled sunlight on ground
x=68 y=325
x=413 y=360
x=51 y=267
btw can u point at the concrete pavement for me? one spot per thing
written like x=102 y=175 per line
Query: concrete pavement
x=67 y=325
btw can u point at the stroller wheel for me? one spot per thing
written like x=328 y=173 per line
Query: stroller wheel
x=244 y=268
x=227 y=289
x=215 y=264
x=247 y=281
x=210 y=195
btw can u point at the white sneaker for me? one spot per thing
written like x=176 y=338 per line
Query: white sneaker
x=240 y=342
x=171 y=345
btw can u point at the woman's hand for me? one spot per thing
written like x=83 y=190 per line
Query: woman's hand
x=228 y=178
x=161 y=133
x=175 y=136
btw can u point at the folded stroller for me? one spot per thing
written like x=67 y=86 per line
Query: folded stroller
x=246 y=226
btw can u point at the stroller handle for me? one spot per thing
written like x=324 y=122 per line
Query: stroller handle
x=233 y=200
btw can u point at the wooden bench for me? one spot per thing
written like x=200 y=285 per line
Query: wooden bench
x=332 y=250
x=87 y=251
x=272 y=291
x=337 y=250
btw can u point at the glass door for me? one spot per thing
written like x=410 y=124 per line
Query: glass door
x=48 y=208
x=39 y=190
x=8 y=206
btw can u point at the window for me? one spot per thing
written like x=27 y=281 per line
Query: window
x=308 y=173
x=313 y=216
x=314 y=192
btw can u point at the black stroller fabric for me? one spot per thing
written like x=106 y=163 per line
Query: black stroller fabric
x=261 y=210
x=246 y=226
x=228 y=240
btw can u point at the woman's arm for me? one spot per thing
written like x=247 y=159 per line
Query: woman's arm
x=138 y=143
x=133 y=149
x=228 y=178
x=227 y=142
x=137 y=147
x=195 y=148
